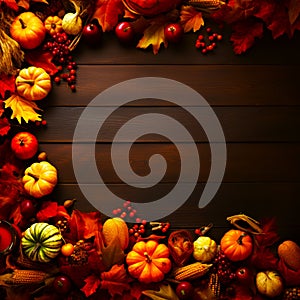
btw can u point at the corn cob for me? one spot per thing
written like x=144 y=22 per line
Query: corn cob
x=214 y=284
x=292 y=293
x=206 y=4
x=23 y=277
x=191 y=271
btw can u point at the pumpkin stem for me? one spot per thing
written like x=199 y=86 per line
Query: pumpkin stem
x=36 y=177
x=240 y=239
x=148 y=258
x=22 y=23
x=29 y=81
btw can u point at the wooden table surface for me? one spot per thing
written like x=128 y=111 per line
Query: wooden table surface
x=255 y=97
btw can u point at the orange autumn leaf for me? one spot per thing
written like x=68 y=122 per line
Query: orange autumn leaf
x=107 y=12
x=154 y=35
x=92 y=283
x=26 y=5
x=116 y=280
x=190 y=18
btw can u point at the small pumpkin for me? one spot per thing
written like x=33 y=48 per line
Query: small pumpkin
x=41 y=242
x=205 y=249
x=116 y=228
x=236 y=244
x=269 y=283
x=148 y=261
x=40 y=179
x=150 y=7
x=33 y=83
x=53 y=25
x=28 y=30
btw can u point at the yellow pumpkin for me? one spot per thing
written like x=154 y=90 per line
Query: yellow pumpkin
x=53 y=25
x=40 y=179
x=205 y=249
x=269 y=283
x=33 y=83
x=116 y=228
x=148 y=261
x=28 y=30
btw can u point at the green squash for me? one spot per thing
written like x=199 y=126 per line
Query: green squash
x=41 y=242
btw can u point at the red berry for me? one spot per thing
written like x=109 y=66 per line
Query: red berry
x=200 y=37
x=208 y=29
x=131 y=215
x=209 y=48
x=138 y=220
x=57 y=79
x=44 y=122
x=219 y=37
x=211 y=38
x=197 y=231
x=204 y=51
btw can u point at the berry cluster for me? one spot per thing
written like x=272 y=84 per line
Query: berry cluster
x=41 y=123
x=127 y=211
x=79 y=255
x=209 y=43
x=59 y=48
x=203 y=229
x=137 y=230
x=224 y=268
x=63 y=225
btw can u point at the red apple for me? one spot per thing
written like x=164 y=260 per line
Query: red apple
x=173 y=32
x=24 y=145
x=124 y=32
x=27 y=208
x=244 y=275
x=92 y=33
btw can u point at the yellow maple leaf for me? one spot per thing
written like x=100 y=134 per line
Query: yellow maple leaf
x=154 y=35
x=22 y=108
x=190 y=18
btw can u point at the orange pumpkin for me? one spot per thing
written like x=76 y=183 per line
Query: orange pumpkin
x=28 y=30
x=33 y=83
x=236 y=244
x=150 y=7
x=148 y=261
x=53 y=25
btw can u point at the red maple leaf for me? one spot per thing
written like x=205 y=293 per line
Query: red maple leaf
x=245 y=33
x=1 y=108
x=4 y=126
x=41 y=59
x=294 y=10
x=7 y=84
x=107 y=12
x=50 y=210
x=92 y=283
x=11 y=4
x=116 y=280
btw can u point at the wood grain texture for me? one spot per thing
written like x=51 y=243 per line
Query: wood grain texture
x=255 y=97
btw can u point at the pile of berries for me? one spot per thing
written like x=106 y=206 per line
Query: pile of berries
x=127 y=211
x=208 y=43
x=59 y=48
x=137 y=230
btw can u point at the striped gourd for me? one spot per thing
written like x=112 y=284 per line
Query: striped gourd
x=41 y=242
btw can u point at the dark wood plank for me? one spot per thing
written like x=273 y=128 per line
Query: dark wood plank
x=239 y=124
x=240 y=85
x=245 y=162
x=258 y=200
x=265 y=51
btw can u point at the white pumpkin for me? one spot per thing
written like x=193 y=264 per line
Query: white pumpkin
x=269 y=283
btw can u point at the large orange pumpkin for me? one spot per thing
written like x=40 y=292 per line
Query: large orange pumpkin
x=148 y=261
x=236 y=244
x=150 y=7
x=28 y=30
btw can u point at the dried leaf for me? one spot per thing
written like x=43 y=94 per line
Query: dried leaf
x=26 y=3
x=153 y=35
x=22 y=108
x=85 y=226
x=294 y=11
x=107 y=12
x=7 y=84
x=113 y=254
x=41 y=59
x=165 y=292
x=4 y=126
x=116 y=280
x=91 y=285
x=244 y=34
x=1 y=108
x=10 y=3
x=190 y=18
